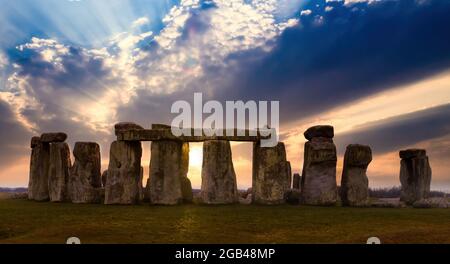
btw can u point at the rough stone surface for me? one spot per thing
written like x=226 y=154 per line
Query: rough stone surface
x=293 y=196
x=168 y=183
x=412 y=153
x=270 y=174
x=122 y=184
x=53 y=137
x=104 y=177
x=319 y=131
x=125 y=126
x=289 y=174
x=58 y=177
x=35 y=141
x=319 y=173
x=39 y=169
x=415 y=176
x=85 y=179
x=354 y=183
x=141 y=185
x=296 y=181
x=219 y=184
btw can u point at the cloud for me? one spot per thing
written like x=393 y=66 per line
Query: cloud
x=352 y=55
x=306 y=12
x=3 y=61
x=400 y=131
x=140 y=22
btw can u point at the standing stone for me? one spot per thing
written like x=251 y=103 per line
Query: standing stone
x=219 y=184
x=122 y=183
x=104 y=177
x=168 y=183
x=319 y=167
x=85 y=179
x=415 y=175
x=270 y=174
x=289 y=175
x=354 y=183
x=141 y=186
x=39 y=168
x=167 y=170
x=296 y=182
x=58 y=179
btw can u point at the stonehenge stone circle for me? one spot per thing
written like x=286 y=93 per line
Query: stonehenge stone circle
x=39 y=169
x=219 y=184
x=85 y=179
x=270 y=174
x=354 y=183
x=319 y=167
x=415 y=175
x=122 y=183
x=58 y=177
x=296 y=181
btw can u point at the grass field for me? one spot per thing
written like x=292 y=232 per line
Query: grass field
x=23 y=221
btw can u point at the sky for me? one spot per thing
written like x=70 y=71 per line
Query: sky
x=377 y=70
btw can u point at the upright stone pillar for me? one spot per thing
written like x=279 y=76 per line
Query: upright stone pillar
x=219 y=184
x=319 y=168
x=58 y=179
x=39 y=168
x=296 y=181
x=168 y=183
x=167 y=171
x=85 y=178
x=270 y=174
x=415 y=175
x=289 y=174
x=122 y=183
x=354 y=183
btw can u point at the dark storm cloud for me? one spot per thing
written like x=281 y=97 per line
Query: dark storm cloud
x=356 y=51
x=74 y=70
x=14 y=138
x=398 y=132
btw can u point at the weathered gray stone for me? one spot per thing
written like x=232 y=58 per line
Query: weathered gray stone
x=85 y=179
x=415 y=176
x=219 y=184
x=319 y=131
x=168 y=172
x=289 y=174
x=122 y=183
x=125 y=126
x=39 y=169
x=141 y=186
x=270 y=174
x=53 y=137
x=412 y=153
x=104 y=177
x=35 y=141
x=296 y=181
x=58 y=178
x=354 y=183
x=319 y=171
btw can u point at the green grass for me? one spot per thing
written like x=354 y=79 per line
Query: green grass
x=24 y=221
